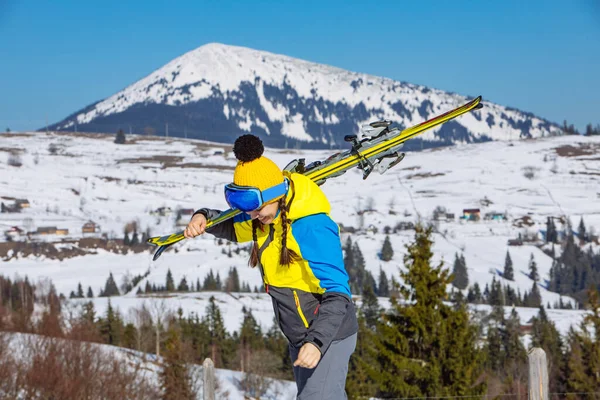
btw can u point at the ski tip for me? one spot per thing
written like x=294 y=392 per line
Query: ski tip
x=159 y=252
x=478 y=106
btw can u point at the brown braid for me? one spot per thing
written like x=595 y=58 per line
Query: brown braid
x=253 y=262
x=287 y=255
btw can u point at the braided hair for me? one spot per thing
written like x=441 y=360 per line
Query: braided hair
x=286 y=256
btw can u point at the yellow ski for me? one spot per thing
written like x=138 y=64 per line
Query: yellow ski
x=380 y=151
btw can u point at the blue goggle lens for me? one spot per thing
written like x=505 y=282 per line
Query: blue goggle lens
x=243 y=200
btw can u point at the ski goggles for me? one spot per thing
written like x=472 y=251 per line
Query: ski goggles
x=248 y=198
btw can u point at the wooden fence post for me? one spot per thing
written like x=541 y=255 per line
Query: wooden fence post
x=208 y=374
x=538 y=374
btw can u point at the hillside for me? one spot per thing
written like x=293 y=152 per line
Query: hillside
x=71 y=179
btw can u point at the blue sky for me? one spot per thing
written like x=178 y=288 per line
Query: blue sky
x=539 y=56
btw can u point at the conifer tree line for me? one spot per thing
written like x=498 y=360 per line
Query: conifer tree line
x=231 y=284
x=425 y=347
x=421 y=346
x=492 y=294
x=180 y=341
x=577 y=268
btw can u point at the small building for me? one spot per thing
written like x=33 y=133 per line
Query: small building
x=62 y=231
x=9 y=208
x=404 y=226
x=183 y=216
x=471 y=214
x=372 y=229
x=22 y=203
x=162 y=211
x=90 y=227
x=525 y=329
x=449 y=217
x=14 y=233
x=515 y=242
x=46 y=230
x=495 y=216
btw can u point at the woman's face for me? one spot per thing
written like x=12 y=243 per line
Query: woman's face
x=266 y=214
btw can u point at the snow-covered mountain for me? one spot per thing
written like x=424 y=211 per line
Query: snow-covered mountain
x=217 y=92
x=71 y=179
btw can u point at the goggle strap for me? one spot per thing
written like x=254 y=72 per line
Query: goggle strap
x=275 y=191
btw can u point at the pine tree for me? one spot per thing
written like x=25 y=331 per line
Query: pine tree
x=515 y=360
x=533 y=272
x=387 y=252
x=424 y=347
x=218 y=334
x=88 y=313
x=496 y=294
x=535 y=297
x=356 y=272
x=459 y=271
x=90 y=293
x=80 y=291
x=509 y=272
x=174 y=376
x=577 y=377
x=551 y=234
x=126 y=240
x=581 y=231
x=383 y=288
x=278 y=346
x=111 y=326
x=233 y=281
x=250 y=339
x=494 y=346
x=545 y=335
x=474 y=295
x=359 y=384
x=183 y=286
x=218 y=284
x=348 y=255
x=170 y=283
x=120 y=138
x=585 y=365
x=148 y=287
x=134 y=239
x=210 y=283
x=110 y=288
x=370 y=307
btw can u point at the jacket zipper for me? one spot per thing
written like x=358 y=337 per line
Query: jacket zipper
x=300 y=309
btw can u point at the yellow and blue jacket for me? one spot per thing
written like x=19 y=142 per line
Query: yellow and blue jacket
x=311 y=296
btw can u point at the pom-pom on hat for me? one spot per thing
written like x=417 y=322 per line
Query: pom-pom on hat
x=253 y=169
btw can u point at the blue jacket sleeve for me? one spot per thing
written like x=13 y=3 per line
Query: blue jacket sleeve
x=319 y=241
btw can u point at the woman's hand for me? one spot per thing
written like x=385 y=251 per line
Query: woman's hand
x=196 y=226
x=308 y=356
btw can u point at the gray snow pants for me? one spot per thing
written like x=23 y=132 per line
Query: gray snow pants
x=327 y=381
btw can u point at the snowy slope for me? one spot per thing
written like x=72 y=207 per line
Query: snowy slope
x=217 y=91
x=91 y=178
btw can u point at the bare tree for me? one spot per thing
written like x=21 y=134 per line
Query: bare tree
x=160 y=313
x=142 y=319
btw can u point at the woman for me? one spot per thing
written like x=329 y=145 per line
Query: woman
x=298 y=252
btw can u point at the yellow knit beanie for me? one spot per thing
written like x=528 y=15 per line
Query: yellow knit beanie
x=253 y=169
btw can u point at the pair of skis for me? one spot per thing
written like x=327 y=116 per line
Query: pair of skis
x=378 y=148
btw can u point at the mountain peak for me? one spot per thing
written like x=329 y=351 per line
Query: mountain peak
x=217 y=92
